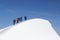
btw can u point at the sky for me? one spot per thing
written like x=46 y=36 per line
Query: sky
x=45 y=9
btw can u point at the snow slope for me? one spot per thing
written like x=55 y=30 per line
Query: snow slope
x=34 y=29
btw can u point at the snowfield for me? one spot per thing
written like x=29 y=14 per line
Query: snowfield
x=34 y=29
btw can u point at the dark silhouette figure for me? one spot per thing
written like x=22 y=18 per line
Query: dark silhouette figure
x=14 y=21
x=19 y=19
x=25 y=18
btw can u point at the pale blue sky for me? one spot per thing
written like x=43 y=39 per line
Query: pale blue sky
x=46 y=9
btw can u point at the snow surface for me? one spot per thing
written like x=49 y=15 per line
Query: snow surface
x=34 y=29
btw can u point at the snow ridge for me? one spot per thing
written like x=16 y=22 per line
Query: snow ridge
x=34 y=29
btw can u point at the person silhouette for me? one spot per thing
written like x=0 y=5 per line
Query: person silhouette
x=19 y=19
x=14 y=21
x=25 y=18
